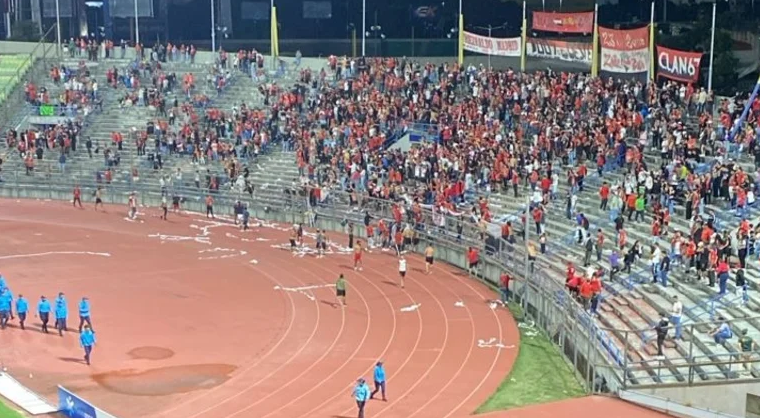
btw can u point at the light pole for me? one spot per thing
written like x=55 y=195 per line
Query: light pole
x=364 y=28
x=650 y=72
x=490 y=30
x=137 y=26
x=712 y=46
x=58 y=26
x=213 y=27
x=376 y=32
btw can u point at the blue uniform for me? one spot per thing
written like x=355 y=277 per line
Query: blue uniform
x=84 y=308
x=379 y=373
x=61 y=309
x=61 y=313
x=84 y=313
x=379 y=381
x=87 y=340
x=5 y=308
x=43 y=308
x=5 y=302
x=361 y=394
x=3 y=284
x=22 y=307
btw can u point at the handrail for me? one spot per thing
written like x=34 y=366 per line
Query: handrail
x=33 y=68
x=567 y=315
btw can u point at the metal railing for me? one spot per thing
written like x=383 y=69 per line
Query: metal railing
x=598 y=354
x=31 y=70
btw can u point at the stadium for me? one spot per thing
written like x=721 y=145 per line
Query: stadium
x=550 y=213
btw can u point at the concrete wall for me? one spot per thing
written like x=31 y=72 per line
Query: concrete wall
x=728 y=399
x=11 y=47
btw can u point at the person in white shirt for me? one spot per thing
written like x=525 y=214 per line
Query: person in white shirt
x=676 y=311
x=402 y=269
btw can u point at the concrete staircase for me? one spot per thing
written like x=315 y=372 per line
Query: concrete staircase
x=631 y=302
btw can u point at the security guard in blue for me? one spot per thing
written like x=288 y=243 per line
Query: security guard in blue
x=84 y=313
x=43 y=310
x=22 y=308
x=361 y=394
x=87 y=340
x=379 y=381
x=61 y=313
x=6 y=302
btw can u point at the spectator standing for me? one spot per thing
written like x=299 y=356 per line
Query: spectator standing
x=662 y=332
x=676 y=312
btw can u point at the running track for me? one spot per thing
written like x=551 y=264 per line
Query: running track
x=192 y=293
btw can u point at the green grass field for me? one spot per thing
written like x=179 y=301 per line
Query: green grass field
x=8 y=412
x=540 y=374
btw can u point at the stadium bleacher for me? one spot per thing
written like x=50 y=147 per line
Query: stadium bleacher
x=12 y=71
x=630 y=305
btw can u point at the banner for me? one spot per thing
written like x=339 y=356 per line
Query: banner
x=564 y=22
x=561 y=50
x=47 y=110
x=504 y=47
x=678 y=65
x=624 y=51
x=73 y=406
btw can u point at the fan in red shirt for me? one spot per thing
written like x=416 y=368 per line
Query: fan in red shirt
x=604 y=195
x=77 y=196
x=504 y=286
x=472 y=259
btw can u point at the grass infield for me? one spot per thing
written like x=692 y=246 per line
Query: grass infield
x=8 y=412
x=540 y=373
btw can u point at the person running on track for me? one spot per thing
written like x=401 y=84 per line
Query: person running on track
x=358 y=249
x=340 y=289
x=402 y=269
x=429 y=258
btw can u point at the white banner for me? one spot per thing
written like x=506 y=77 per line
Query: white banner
x=561 y=50
x=505 y=47
x=626 y=62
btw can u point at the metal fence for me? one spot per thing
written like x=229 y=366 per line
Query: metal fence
x=32 y=70
x=605 y=359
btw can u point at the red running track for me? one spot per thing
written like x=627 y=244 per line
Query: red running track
x=189 y=326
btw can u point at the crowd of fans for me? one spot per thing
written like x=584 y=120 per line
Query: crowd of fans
x=521 y=134
x=524 y=134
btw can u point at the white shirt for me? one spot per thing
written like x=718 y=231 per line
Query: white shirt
x=402 y=265
x=677 y=309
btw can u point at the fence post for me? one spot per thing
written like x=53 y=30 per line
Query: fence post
x=691 y=354
x=625 y=359
x=590 y=342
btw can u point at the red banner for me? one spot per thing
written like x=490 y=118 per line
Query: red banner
x=564 y=22
x=678 y=65
x=624 y=51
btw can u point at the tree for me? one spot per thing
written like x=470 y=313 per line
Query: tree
x=25 y=31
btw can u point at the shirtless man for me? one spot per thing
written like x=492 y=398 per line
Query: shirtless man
x=429 y=258
x=358 y=249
